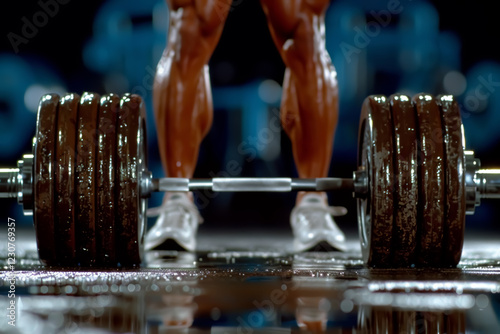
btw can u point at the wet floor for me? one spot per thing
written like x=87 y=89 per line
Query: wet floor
x=252 y=283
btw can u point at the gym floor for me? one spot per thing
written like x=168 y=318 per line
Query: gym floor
x=249 y=282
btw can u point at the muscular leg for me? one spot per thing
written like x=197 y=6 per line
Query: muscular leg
x=309 y=108
x=182 y=96
x=309 y=113
x=183 y=111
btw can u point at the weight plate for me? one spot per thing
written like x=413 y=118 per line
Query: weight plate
x=44 y=160
x=405 y=321
x=86 y=147
x=106 y=182
x=375 y=156
x=453 y=236
x=432 y=322
x=65 y=179
x=383 y=321
x=376 y=320
x=406 y=181
x=455 y=322
x=131 y=154
x=432 y=177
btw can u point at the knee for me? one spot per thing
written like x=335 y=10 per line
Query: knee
x=301 y=47
x=212 y=14
x=186 y=52
x=194 y=35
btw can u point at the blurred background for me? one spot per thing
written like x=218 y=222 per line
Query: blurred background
x=113 y=46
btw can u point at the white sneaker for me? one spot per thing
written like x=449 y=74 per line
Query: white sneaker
x=313 y=226
x=176 y=226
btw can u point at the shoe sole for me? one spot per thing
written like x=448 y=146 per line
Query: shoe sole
x=170 y=245
x=323 y=246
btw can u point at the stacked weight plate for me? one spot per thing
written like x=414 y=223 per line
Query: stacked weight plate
x=89 y=153
x=413 y=153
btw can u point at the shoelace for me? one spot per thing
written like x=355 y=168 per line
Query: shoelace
x=176 y=202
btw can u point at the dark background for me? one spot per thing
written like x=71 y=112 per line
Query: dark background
x=245 y=39
x=246 y=54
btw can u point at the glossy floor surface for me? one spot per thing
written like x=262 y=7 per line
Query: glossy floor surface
x=250 y=282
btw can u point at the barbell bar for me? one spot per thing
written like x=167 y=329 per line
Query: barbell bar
x=87 y=182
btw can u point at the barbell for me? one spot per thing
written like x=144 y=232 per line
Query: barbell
x=86 y=182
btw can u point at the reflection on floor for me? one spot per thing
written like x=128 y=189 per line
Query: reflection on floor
x=252 y=283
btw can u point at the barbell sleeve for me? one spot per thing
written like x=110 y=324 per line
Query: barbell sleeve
x=489 y=183
x=9 y=182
